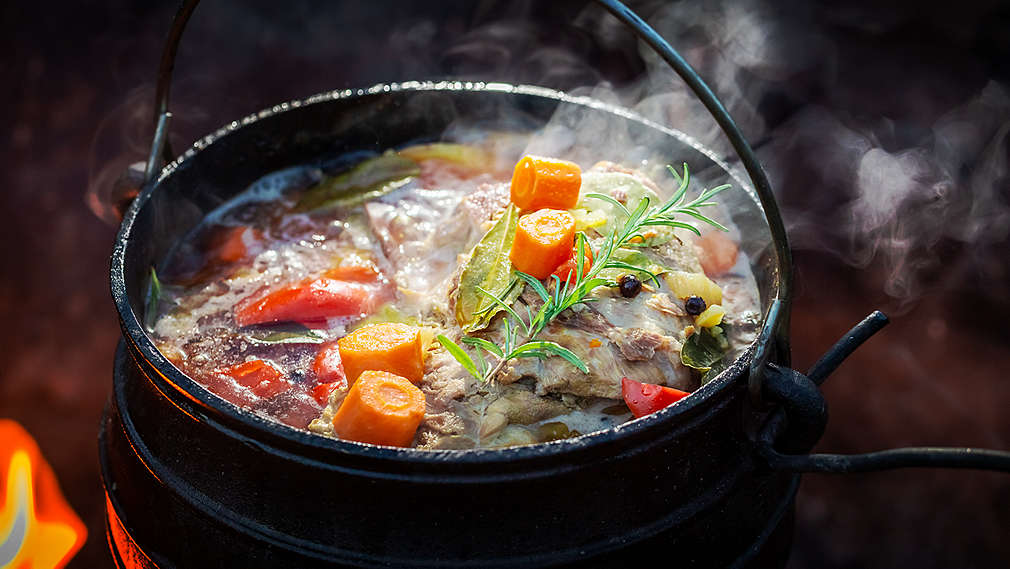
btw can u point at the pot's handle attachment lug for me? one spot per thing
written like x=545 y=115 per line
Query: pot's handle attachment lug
x=802 y=405
x=797 y=424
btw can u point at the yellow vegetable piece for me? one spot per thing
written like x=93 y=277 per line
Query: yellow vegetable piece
x=685 y=285
x=588 y=219
x=712 y=316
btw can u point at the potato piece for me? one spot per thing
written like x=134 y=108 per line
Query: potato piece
x=685 y=285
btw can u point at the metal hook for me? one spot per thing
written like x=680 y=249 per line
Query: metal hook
x=799 y=422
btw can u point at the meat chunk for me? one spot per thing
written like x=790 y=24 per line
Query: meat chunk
x=606 y=166
x=444 y=380
x=606 y=361
x=636 y=344
x=447 y=430
x=485 y=202
x=519 y=405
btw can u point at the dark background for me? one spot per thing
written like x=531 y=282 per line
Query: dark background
x=882 y=125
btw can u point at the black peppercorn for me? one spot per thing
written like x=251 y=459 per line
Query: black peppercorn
x=694 y=305
x=630 y=286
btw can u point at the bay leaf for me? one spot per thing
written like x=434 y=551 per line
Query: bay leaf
x=367 y=180
x=153 y=301
x=462 y=155
x=287 y=333
x=490 y=268
x=704 y=349
x=643 y=266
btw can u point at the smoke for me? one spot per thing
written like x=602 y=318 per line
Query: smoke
x=926 y=213
x=121 y=140
x=907 y=176
x=892 y=164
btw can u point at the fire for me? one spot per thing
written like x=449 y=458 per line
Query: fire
x=38 y=529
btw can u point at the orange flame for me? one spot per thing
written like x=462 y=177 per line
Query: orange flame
x=38 y=530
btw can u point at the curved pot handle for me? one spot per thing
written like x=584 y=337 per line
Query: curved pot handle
x=792 y=430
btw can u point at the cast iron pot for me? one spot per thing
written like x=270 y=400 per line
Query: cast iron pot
x=194 y=481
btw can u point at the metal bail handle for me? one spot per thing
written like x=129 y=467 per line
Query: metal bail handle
x=776 y=321
x=795 y=427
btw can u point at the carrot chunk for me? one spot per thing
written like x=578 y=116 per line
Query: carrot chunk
x=381 y=408
x=311 y=300
x=388 y=346
x=717 y=253
x=354 y=273
x=543 y=241
x=539 y=182
x=569 y=268
x=259 y=376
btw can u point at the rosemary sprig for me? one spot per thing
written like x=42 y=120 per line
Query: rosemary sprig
x=568 y=294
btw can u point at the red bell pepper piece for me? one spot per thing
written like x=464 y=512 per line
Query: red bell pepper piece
x=327 y=365
x=311 y=300
x=232 y=244
x=569 y=269
x=329 y=372
x=321 y=393
x=263 y=379
x=645 y=398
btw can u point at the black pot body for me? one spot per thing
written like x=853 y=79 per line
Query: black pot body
x=195 y=482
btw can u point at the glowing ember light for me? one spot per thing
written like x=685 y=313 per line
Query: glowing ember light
x=38 y=529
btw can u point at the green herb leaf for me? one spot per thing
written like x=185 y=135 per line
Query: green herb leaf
x=671 y=223
x=481 y=342
x=461 y=356
x=370 y=179
x=490 y=269
x=502 y=305
x=598 y=190
x=153 y=300
x=285 y=334
x=535 y=284
x=469 y=157
x=633 y=260
x=705 y=348
x=541 y=348
x=609 y=200
x=715 y=370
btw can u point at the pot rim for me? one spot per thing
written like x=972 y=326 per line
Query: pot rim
x=189 y=392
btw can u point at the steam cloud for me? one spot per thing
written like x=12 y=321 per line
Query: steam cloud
x=886 y=188
x=881 y=188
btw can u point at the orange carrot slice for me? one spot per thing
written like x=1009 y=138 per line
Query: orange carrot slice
x=381 y=408
x=354 y=273
x=543 y=241
x=539 y=182
x=388 y=346
x=717 y=252
x=569 y=268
